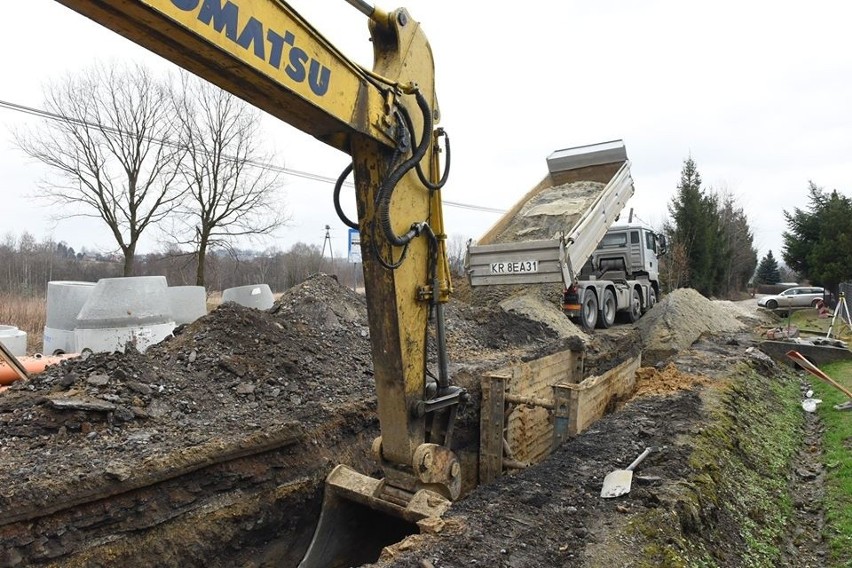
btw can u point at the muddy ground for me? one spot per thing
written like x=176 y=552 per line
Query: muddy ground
x=211 y=448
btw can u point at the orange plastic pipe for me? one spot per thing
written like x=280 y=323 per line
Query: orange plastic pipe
x=33 y=365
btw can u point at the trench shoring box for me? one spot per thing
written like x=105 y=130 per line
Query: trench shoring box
x=530 y=407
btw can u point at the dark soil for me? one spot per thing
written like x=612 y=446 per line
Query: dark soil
x=211 y=448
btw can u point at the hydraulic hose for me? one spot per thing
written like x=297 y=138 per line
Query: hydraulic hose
x=337 y=187
x=386 y=191
x=423 y=179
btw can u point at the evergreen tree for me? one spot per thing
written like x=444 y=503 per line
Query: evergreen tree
x=818 y=244
x=714 y=236
x=693 y=227
x=767 y=271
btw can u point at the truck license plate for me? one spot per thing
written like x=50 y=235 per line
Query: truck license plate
x=516 y=267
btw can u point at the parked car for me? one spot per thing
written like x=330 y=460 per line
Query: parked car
x=798 y=297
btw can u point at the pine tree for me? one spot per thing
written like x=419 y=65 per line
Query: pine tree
x=818 y=244
x=767 y=270
x=694 y=226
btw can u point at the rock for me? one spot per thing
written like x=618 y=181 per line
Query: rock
x=124 y=414
x=98 y=380
x=245 y=388
x=80 y=403
x=117 y=471
x=68 y=379
x=10 y=558
x=233 y=367
x=138 y=387
x=431 y=525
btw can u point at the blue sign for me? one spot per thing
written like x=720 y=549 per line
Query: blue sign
x=354 y=245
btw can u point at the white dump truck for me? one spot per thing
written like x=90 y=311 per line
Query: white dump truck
x=563 y=231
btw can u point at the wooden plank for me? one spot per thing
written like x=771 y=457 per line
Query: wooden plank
x=589 y=399
x=491 y=421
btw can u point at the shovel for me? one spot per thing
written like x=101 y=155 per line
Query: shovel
x=618 y=482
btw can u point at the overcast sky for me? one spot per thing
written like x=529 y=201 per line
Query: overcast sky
x=758 y=93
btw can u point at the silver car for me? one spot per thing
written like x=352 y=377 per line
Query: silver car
x=799 y=297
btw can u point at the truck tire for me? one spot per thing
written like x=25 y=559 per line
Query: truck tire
x=635 y=311
x=652 y=300
x=606 y=315
x=589 y=309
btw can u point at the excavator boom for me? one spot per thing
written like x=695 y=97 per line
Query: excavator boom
x=265 y=53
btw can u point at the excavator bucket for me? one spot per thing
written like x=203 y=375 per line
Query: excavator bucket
x=357 y=521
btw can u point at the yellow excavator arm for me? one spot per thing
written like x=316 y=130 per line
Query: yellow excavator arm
x=263 y=52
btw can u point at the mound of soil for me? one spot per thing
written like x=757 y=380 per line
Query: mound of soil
x=211 y=448
x=666 y=381
x=678 y=321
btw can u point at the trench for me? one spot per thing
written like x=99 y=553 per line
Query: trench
x=249 y=502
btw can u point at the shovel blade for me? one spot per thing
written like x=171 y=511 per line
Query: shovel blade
x=617 y=483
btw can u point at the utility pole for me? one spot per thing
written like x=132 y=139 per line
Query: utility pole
x=327 y=241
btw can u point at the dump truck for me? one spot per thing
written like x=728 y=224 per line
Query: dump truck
x=563 y=230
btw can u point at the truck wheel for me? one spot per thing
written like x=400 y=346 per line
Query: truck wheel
x=589 y=317
x=635 y=311
x=652 y=299
x=606 y=317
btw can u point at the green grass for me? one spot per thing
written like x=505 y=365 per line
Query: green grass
x=808 y=321
x=737 y=492
x=837 y=445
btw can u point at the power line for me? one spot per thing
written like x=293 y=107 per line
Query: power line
x=262 y=165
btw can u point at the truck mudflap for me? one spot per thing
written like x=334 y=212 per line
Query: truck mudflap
x=360 y=517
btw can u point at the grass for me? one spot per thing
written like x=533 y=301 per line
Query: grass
x=809 y=321
x=737 y=492
x=837 y=439
x=837 y=443
x=27 y=313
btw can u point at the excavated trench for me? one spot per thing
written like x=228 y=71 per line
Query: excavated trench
x=212 y=448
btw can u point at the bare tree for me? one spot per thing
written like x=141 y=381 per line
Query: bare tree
x=105 y=142
x=456 y=252
x=674 y=267
x=231 y=194
x=739 y=260
x=301 y=261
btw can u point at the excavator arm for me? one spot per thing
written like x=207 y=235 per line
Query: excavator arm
x=263 y=52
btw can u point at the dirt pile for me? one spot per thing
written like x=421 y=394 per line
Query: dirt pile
x=234 y=371
x=234 y=380
x=679 y=319
x=668 y=380
x=535 y=308
x=210 y=449
x=551 y=212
